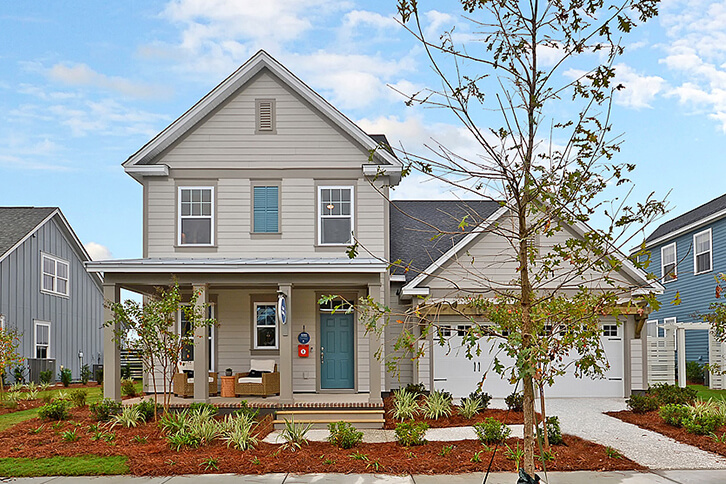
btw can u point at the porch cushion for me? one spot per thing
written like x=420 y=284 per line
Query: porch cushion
x=265 y=366
x=248 y=379
x=191 y=379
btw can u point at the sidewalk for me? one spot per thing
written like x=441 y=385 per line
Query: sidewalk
x=578 y=477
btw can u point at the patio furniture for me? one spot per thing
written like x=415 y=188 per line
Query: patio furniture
x=263 y=379
x=184 y=385
x=228 y=383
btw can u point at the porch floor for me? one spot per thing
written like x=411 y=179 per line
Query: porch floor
x=301 y=400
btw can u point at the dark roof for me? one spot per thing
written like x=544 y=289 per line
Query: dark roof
x=17 y=222
x=415 y=225
x=383 y=141
x=688 y=218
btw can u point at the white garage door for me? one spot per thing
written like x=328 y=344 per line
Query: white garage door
x=457 y=374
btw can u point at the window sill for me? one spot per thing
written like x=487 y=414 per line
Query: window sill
x=58 y=294
x=266 y=235
x=195 y=248
x=261 y=352
x=703 y=272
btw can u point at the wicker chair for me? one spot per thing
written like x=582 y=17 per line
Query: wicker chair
x=268 y=383
x=184 y=386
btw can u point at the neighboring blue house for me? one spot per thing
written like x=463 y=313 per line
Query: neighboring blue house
x=46 y=293
x=686 y=253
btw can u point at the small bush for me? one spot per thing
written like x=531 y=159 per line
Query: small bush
x=642 y=403
x=515 y=401
x=129 y=417
x=554 y=433
x=416 y=388
x=703 y=424
x=146 y=408
x=238 y=432
x=470 y=407
x=491 y=431
x=78 y=397
x=666 y=394
x=294 y=434
x=437 y=405
x=411 y=433
x=47 y=397
x=46 y=376
x=674 y=414
x=246 y=411
x=128 y=388
x=201 y=407
x=19 y=374
x=85 y=374
x=104 y=410
x=405 y=406
x=10 y=404
x=64 y=375
x=126 y=372
x=181 y=439
x=55 y=410
x=344 y=435
x=694 y=372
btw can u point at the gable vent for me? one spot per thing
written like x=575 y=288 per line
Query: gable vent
x=266 y=115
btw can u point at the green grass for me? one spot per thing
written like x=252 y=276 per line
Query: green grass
x=84 y=465
x=704 y=393
x=10 y=419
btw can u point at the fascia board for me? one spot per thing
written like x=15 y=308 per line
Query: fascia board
x=676 y=233
x=415 y=291
x=110 y=266
x=477 y=232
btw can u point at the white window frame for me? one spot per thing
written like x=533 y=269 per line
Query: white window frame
x=674 y=275
x=254 y=327
x=37 y=323
x=55 y=276
x=610 y=327
x=696 y=254
x=320 y=215
x=2 y=322
x=211 y=217
x=210 y=337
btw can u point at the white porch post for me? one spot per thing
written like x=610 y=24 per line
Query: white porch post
x=111 y=350
x=286 y=346
x=201 y=348
x=681 y=350
x=374 y=344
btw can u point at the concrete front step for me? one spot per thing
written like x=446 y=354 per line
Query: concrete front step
x=365 y=419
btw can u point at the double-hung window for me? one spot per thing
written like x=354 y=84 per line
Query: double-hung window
x=55 y=275
x=196 y=215
x=668 y=262
x=42 y=339
x=265 y=333
x=335 y=210
x=266 y=216
x=702 y=252
x=185 y=331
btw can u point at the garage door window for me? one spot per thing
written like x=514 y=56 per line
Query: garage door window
x=609 y=330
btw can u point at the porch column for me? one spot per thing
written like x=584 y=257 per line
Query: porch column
x=111 y=350
x=286 y=346
x=681 y=350
x=374 y=345
x=201 y=348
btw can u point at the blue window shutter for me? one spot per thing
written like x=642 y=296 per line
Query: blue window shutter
x=265 y=209
x=272 y=211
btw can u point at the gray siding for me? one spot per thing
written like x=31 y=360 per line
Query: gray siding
x=75 y=320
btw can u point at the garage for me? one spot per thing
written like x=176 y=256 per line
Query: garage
x=459 y=375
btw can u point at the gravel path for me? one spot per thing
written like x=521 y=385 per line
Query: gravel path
x=584 y=418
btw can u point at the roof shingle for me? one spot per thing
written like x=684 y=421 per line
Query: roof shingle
x=688 y=218
x=17 y=222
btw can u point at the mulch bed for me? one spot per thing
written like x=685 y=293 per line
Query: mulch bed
x=653 y=421
x=22 y=405
x=155 y=457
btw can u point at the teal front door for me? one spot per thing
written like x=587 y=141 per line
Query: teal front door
x=337 y=359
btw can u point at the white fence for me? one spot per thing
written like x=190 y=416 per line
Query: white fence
x=661 y=360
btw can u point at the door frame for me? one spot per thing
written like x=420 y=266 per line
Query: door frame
x=318 y=367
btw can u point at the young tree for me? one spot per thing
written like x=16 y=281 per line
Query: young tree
x=151 y=330
x=546 y=155
x=9 y=355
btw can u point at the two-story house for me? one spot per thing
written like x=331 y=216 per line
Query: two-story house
x=252 y=197
x=685 y=257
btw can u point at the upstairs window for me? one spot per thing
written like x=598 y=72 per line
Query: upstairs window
x=668 y=262
x=196 y=215
x=55 y=275
x=266 y=210
x=42 y=340
x=335 y=209
x=265 y=116
x=702 y=252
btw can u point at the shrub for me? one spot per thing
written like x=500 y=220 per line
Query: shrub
x=470 y=407
x=126 y=372
x=515 y=401
x=702 y=424
x=64 y=375
x=174 y=422
x=491 y=431
x=246 y=411
x=642 y=403
x=203 y=408
x=694 y=372
x=19 y=374
x=78 y=397
x=405 y=406
x=55 y=410
x=674 y=414
x=128 y=388
x=146 y=408
x=344 y=435
x=554 y=433
x=666 y=394
x=411 y=433
x=180 y=439
x=416 y=388
x=104 y=410
x=47 y=397
x=46 y=376
x=129 y=417
x=237 y=432
x=85 y=374
x=437 y=405
x=294 y=434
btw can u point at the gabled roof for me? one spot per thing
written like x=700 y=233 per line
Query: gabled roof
x=708 y=212
x=142 y=162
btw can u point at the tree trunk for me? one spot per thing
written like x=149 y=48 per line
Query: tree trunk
x=544 y=417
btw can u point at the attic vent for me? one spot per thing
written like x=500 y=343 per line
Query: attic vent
x=265 y=115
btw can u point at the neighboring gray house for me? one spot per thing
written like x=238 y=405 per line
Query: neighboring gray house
x=45 y=291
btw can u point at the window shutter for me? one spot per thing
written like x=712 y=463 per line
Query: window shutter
x=265 y=209
x=265 y=121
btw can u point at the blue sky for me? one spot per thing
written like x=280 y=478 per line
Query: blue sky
x=84 y=84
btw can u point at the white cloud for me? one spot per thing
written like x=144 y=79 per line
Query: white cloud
x=357 y=18
x=107 y=117
x=83 y=75
x=640 y=90
x=98 y=251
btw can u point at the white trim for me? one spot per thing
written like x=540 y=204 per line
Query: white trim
x=398 y=278
x=210 y=217
x=682 y=230
x=675 y=262
x=320 y=215
x=37 y=323
x=148 y=170
x=211 y=336
x=415 y=291
x=393 y=172
x=255 y=345
x=56 y=260
x=2 y=322
x=112 y=266
x=696 y=254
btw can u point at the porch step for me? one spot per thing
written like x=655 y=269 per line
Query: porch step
x=364 y=419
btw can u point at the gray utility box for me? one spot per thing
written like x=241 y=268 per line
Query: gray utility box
x=36 y=365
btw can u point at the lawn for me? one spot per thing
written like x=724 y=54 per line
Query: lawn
x=704 y=393
x=84 y=465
